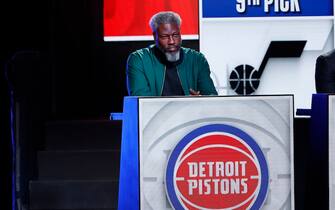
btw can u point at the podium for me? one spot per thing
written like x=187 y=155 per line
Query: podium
x=222 y=152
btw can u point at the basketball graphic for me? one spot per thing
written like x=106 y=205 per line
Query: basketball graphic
x=244 y=79
x=217 y=167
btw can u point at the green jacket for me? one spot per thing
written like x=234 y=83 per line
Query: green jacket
x=145 y=73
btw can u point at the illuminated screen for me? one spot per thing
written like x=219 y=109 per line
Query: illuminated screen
x=128 y=19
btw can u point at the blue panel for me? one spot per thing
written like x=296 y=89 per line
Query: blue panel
x=129 y=171
x=318 y=154
x=257 y=8
x=319 y=124
x=116 y=116
x=304 y=112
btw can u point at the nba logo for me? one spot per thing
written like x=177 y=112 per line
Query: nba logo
x=217 y=167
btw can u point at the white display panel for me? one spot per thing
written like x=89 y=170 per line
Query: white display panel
x=267 y=119
x=243 y=38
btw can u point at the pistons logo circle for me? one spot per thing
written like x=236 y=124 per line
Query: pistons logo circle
x=217 y=167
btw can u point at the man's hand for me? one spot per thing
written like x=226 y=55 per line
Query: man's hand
x=194 y=92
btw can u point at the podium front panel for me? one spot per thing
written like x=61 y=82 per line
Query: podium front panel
x=241 y=130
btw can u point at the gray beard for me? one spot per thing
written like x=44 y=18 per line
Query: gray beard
x=172 y=56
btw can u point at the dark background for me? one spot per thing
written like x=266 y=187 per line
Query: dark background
x=59 y=68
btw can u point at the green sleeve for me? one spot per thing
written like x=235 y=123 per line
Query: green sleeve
x=137 y=82
x=205 y=82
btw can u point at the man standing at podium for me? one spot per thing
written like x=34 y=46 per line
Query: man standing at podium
x=166 y=68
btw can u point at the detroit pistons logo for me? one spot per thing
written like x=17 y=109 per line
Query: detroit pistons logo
x=217 y=167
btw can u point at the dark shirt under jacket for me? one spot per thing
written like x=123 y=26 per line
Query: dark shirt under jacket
x=172 y=85
x=325 y=73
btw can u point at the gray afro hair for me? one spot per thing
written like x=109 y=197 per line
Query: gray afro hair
x=167 y=17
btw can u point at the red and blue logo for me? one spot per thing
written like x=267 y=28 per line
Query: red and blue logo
x=217 y=167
